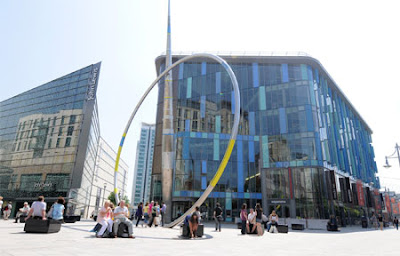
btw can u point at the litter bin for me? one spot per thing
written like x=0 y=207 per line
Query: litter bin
x=364 y=222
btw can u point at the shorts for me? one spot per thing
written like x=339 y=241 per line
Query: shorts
x=258 y=220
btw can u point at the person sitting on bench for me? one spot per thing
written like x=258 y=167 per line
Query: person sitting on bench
x=22 y=211
x=38 y=209
x=193 y=224
x=251 y=221
x=121 y=214
x=58 y=209
x=273 y=217
x=104 y=219
x=332 y=223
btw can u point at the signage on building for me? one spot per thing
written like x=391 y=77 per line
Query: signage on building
x=92 y=84
x=278 y=201
x=360 y=193
x=42 y=185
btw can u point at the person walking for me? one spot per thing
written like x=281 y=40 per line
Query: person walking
x=163 y=211
x=243 y=218
x=374 y=221
x=380 y=219
x=396 y=223
x=146 y=214
x=139 y=213
x=218 y=217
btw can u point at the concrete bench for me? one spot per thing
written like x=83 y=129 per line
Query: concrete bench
x=297 y=226
x=282 y=228
x=42 y=226
x=72 y=218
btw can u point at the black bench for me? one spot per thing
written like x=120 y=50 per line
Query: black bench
x=42 y=226
x=22 y=218
x=332 y=227
x=250 y=228
x=186 y=231
x=122 y=230
x=282 y=228
x=297 y=227
x=72 y=218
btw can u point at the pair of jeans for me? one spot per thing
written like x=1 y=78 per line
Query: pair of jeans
x=217 y=223
x=244 y=222
x=105 y=224
x=124 y=220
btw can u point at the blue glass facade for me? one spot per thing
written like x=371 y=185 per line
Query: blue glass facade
x=49 y=139
x=296 y=125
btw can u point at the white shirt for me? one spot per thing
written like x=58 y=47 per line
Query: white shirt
x=38 y=207
x=119 y=209
x=25 y=209
x=251 y=217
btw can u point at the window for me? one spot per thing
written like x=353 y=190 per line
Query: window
x=70 y=130
x=49 y=145
x=60 y=131
x=58 y=143
x=72 y=119
x=68 y=142
x=62 y=120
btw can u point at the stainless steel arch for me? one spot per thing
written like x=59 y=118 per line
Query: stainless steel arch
x=232 y=139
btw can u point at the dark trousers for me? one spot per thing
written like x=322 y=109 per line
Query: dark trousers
x=139 y=218
x=153 y=215
x=217 y=224
x=397 y=226
x=243 y=227
x=162 y=219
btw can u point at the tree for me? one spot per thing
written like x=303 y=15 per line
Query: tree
x=111 y=197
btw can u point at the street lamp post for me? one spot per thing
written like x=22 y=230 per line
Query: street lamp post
x=396 y=152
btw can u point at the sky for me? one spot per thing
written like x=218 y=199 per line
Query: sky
x=356 y=41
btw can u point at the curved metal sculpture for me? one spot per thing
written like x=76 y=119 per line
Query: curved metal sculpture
x=232 y=139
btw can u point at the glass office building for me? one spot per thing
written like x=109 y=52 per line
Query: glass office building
x=144 y=164
x=49 y=139
x=302 y=147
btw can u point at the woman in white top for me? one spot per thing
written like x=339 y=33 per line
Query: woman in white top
x=104 y=218
x=273 y=218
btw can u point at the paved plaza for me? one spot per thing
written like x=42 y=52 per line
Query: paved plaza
x=74 y=239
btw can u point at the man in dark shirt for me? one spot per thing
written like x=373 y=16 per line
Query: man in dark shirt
x=396 y=223
x=218 y=217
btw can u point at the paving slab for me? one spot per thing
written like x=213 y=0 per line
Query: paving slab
x=75 y=239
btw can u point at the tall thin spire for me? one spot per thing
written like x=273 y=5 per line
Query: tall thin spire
x=168 y=56
x=167 y=157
